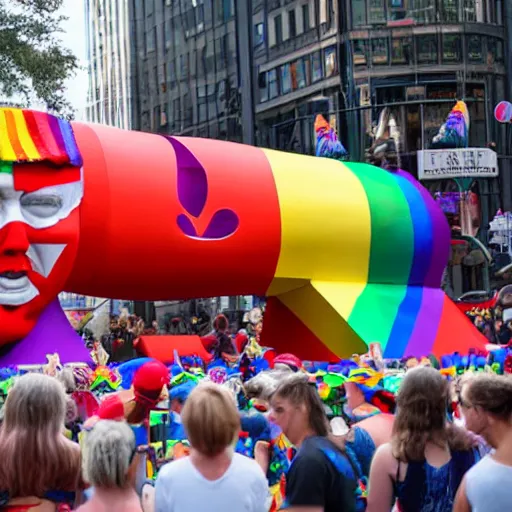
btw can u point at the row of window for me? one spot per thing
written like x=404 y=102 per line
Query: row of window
x=193 y=12
x=428 y=49
x=298 y=74
x=294 y=21
x=409 y=12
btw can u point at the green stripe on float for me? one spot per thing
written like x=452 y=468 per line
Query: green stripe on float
x=391 y=255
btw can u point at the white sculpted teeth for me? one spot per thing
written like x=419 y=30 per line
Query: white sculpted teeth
x=44 y=256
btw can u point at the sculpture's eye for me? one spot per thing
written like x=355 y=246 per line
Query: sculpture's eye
x=41 y=205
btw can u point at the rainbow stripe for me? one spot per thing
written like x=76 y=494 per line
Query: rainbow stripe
x=379 y=245
x=30 y=136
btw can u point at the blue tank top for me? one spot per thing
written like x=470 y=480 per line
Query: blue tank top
x=362 y=448
x=430 y=489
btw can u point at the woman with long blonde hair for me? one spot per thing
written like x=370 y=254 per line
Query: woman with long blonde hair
x=39 y=467
x=423 y=465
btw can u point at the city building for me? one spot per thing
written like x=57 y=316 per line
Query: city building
x=296 y=61
x=109 y=57
x=186 y=68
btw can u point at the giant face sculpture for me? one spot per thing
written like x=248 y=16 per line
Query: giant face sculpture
x=40 y=189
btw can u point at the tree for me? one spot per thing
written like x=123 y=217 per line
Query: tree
x=33 y=63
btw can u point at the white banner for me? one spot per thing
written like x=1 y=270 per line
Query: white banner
x=437 y=164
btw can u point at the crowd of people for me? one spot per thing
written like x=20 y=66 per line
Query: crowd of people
x=443 y=443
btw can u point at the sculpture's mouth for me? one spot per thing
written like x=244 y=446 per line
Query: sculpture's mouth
x=16 y=288
x=13 y=275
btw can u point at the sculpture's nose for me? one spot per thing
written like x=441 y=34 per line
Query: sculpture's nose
x=13 y=239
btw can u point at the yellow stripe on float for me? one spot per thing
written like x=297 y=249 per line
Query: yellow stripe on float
x=325 y=222
x=24 y=136
x=6 y=152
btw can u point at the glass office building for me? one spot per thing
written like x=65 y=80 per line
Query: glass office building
x=185 y=68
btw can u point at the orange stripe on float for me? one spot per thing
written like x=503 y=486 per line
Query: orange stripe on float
x=13 y=136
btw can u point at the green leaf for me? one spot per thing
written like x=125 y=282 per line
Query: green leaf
x=33 y=63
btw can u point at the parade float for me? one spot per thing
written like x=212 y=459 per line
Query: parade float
x=337 y=242
x=350 y=256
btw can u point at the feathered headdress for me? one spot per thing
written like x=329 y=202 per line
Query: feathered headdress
x=327 y=143
x=455 y=131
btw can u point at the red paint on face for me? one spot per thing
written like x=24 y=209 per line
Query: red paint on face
x=16 y=322
x=32 y=177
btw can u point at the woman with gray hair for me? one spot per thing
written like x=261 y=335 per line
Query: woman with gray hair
x=108 y=466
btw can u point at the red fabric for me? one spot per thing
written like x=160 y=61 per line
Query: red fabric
x=284 y=332
x=241 y=341
x=209 y=342
x=162 y=348
x=468 y=338
x=111 y=408
x=288 y=359
x=152 y=376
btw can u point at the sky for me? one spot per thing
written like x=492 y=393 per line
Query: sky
x=74 y=39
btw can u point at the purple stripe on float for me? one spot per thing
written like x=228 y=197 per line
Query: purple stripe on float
x=424 y=333
x=441 y=235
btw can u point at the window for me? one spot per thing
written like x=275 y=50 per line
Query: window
x=495 y=48
x=323 y=11
x=475 y=49
x=292 y=24
x=360 y=52
x=306 y=23
x=316 y=64
x=298 y=69
x=176 y=111
x=401 y=50
x=224 y=10
x=358 y=13
x=376 y=12
x=151 y=40
x=171 y=73
x=278 y=29
x=273 y=86
x=330 y=63
x=200 y=17
x=201 y=104
x=286 y=80
x=148 y=4
x=224 y=49
x=396 y=10
x=451 y=48
x=380 y=51
x=212 y=101
x=449 y=10
x=259 y=34
x=423 y=11
x=477 y=134
x=499 y=12
x=262 y=82
x=167 y=33
x=427 y=49
x=474 y=11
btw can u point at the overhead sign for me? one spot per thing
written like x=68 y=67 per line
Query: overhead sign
x=437 y=164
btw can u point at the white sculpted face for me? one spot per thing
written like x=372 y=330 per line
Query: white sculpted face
x=26 y=220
